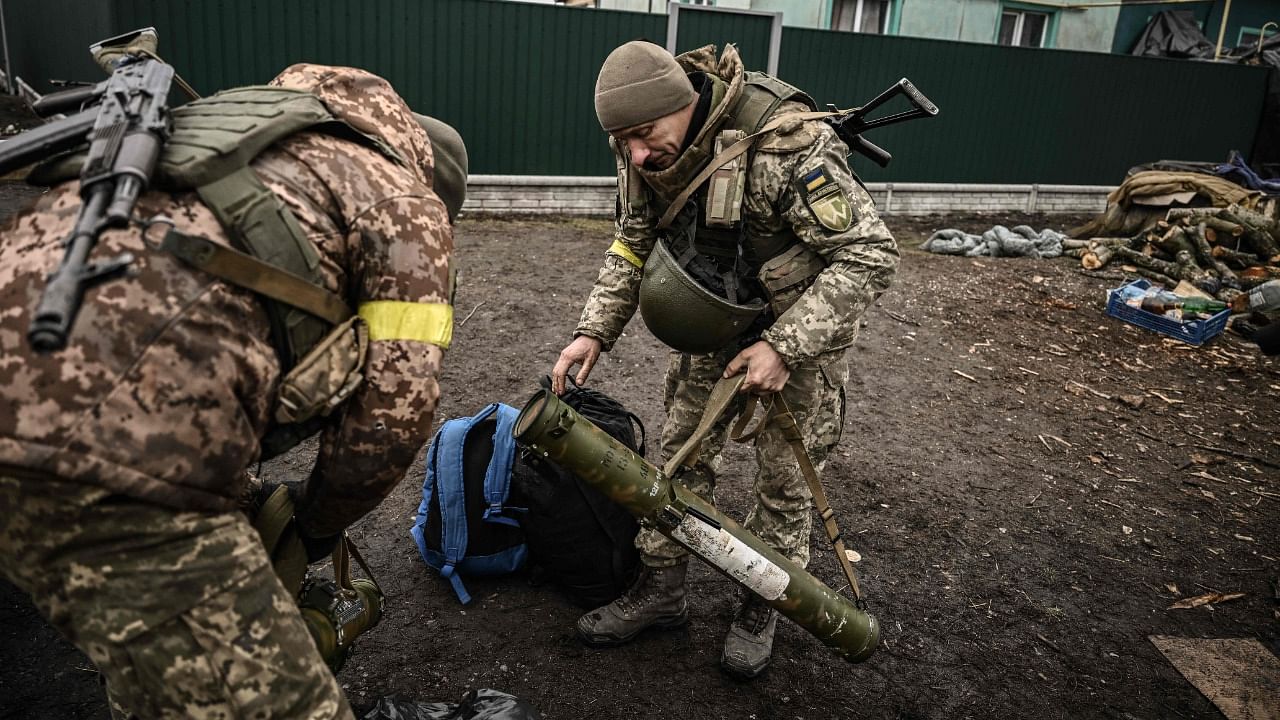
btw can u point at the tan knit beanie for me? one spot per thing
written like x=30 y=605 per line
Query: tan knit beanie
x=640 y=82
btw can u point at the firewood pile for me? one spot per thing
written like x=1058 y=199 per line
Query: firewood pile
x=1220 y=250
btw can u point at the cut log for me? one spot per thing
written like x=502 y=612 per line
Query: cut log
x=1096 y=256
x=1190 y=271
x=1235 y=257
x=1254 y=218
x=1223 y=227
x=1137 y=259
x=1191 y=214
x=1154 y=276
x=1070 y=244
x=1258 y=230
x=1075 y=252
x=1199 y=239
x=1175 y=241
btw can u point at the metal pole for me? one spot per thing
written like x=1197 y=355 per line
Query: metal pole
x=1222 y=30
x=775 y=44
x=8 y=67
x=673 y=25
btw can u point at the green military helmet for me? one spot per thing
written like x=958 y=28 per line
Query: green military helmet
x=682 y=313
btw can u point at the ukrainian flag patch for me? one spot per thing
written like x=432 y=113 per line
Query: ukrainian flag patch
x=816 y=179
x=826 y=199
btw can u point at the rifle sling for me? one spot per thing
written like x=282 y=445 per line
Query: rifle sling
x=791 y=432
x=246 y=271
x=722 y=395
x=728 y=154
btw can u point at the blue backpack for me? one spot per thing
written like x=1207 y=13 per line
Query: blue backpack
x=464 y=525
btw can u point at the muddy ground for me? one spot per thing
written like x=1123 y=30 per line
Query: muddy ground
x=1022 y=529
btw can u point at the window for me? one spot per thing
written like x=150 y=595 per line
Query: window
x=867 y=16
x=1023 y=28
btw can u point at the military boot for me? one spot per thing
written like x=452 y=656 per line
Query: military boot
x=656 y=599
x=749 y=644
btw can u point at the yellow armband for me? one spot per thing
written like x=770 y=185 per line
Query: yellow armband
x=393 y=320
x=624 y=252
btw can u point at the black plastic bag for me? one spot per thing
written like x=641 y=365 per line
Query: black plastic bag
x=479 y=704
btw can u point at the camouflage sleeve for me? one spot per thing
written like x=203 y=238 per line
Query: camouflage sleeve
x=403 y=246
x=830 y=212
x=616 y=293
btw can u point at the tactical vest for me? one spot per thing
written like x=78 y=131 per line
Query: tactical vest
x=701 y=287
x=212 y=143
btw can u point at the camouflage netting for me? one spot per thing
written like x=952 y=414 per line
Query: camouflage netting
x=999 y=241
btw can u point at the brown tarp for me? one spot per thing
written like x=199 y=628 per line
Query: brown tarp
x=1144 y=198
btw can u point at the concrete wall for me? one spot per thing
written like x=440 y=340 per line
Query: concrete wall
x=559 y=195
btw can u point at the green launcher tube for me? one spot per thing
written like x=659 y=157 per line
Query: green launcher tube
x=553 y=430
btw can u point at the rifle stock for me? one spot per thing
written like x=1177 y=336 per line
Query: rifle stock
x=850 y=125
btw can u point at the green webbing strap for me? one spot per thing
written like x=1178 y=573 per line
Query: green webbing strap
x=776 y=411
x=255 y=217
x=269 y=231
x=247 y=271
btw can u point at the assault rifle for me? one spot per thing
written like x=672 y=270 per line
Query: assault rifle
x=126 y=131
x=850 y=124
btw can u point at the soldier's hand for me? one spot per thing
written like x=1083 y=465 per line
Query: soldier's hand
x=766 y=371
x=584 y=350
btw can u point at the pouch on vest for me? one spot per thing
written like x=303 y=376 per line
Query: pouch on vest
x=464 y=525
x=579 y=539
x=727 y=184
x=326 y=376
x=787 y=275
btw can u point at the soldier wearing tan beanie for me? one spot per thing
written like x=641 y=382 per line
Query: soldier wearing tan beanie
x=790 y=209
x=640 y=82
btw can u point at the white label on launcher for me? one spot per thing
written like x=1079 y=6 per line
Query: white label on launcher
x=735 y=557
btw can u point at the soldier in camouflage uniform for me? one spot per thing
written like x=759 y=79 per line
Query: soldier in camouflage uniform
x=123 y=458
x=803 y=215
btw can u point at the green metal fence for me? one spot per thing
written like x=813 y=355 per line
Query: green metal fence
x=517 y=79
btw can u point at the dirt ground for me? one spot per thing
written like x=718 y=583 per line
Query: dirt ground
x=1022 y=529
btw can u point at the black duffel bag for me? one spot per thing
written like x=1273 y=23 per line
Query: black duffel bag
x=579 y=539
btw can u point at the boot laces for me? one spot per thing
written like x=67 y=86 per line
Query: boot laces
x=645 y=587
x=755 y=616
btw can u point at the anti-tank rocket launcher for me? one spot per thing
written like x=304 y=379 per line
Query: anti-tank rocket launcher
x=551 y=429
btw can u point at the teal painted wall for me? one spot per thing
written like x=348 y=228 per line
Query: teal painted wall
x=978 y=20
x=516 y=79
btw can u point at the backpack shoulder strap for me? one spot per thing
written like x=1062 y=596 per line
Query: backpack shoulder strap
x=446 y=477
x=497 y=479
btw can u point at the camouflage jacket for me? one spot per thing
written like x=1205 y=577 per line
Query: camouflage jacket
x=781 y=197
x=169 y=380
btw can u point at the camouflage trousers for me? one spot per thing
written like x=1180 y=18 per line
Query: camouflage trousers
x=181 y=612
x=780 y=516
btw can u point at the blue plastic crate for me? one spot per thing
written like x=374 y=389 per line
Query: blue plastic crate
x=1194 y=332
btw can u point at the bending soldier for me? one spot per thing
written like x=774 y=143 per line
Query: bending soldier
x=123 y=457
x=771 y=263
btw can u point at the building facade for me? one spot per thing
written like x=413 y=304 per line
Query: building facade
x=1091 y=25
